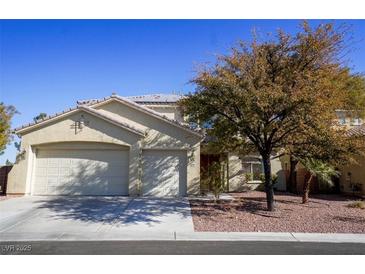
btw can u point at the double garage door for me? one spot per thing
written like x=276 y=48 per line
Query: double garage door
x=106 y=172
x=81 y=172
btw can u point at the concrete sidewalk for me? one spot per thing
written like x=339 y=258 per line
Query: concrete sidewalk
x=184 y=236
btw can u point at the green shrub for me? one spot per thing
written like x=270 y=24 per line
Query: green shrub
x=248 y=177
x=274 y=179
x=262 y=177
x=216 y=180
x=212 y=179
x=357 y=204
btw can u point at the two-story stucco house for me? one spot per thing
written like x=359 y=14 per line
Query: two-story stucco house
x=136 y=145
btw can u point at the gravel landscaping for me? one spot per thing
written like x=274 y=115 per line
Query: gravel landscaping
x=247 y=213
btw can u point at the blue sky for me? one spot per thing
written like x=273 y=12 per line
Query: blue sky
x=47 y=65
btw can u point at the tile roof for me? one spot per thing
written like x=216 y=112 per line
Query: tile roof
x=356 y=131
x=156 y=98
x=86 y=102
x=45 y=119
x=143 y=99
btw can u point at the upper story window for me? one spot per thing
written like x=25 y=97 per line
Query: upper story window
x=356 y=121
x=348 y=118
x=341 y=118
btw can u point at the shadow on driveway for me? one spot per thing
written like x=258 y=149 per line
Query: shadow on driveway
x=114 y=210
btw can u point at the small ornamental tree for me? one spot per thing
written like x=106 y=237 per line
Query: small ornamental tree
x=213 y=179
x=271 y=96
x=6 y=114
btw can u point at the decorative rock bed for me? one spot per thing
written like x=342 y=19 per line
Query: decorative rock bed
x=247 y=213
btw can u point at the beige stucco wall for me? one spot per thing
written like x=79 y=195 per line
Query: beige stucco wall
x=162 y=135
x=357 y=176
x=193 y=170
x=277 y=168
x=235 y=174
x=237 y=180
x=159 y=135
x=172 y=112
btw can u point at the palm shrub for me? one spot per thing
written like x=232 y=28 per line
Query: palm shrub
x=317 y=168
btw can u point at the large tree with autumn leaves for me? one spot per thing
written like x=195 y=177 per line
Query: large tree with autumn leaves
x=277 y=96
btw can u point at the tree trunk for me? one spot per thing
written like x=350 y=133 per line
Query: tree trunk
x=292 y=184
x=306 y=188
x=269 y=188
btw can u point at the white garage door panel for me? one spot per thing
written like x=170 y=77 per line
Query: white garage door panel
x=164 y=173
x=81 y=172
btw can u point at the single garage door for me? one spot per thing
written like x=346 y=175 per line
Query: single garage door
x=164 y=173
x=81 y=172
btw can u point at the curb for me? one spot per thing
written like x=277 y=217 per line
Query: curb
x=187 y=236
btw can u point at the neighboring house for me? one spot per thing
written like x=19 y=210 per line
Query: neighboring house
x=136 y=145
x=352 y=176
x=346 y=120
x=114 y=146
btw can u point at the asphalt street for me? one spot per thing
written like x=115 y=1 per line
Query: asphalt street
x=180 y=248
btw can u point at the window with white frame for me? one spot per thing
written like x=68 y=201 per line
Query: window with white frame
x=252 y=165
x=355 y=121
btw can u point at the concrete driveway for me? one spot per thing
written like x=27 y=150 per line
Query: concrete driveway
x=47 y=218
